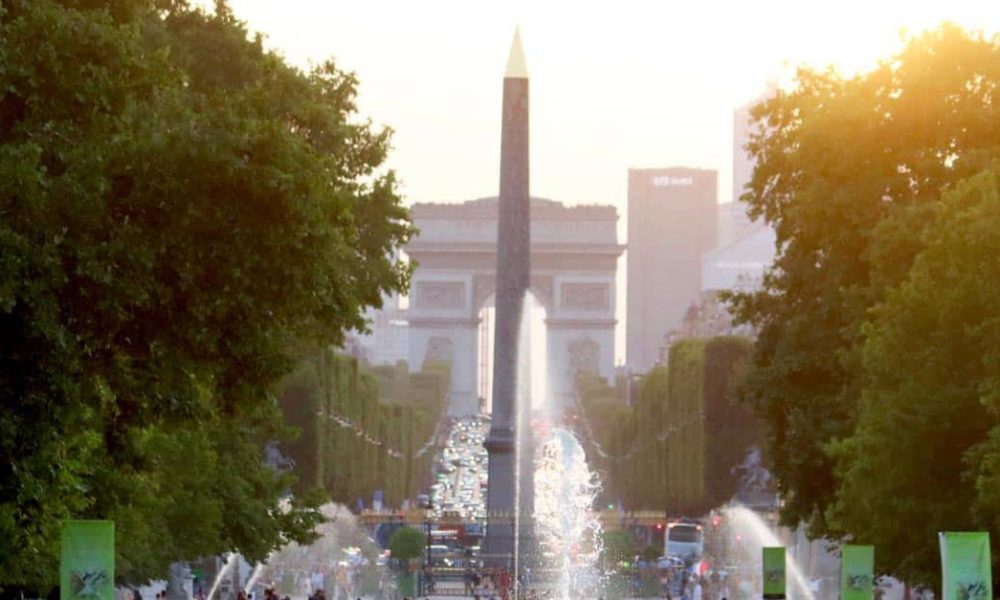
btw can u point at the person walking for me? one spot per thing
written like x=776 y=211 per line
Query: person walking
x=504 y=580
x=476 y=585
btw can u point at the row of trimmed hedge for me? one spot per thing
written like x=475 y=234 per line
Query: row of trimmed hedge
x=398 y=408
x=676 y=448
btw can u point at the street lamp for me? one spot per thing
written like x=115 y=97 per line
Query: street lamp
x=427 y=560
x=427 y=525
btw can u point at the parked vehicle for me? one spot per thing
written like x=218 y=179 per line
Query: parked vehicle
x=684 y=540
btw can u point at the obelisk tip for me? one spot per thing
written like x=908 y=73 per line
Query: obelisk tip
x=516 y=67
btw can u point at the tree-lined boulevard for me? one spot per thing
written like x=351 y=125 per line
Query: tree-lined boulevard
x=190 y=228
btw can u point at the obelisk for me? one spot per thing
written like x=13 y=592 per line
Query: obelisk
x=512 y=276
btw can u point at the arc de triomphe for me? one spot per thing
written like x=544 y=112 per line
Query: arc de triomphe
x=574 y=257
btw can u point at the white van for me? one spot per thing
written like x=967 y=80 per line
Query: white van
x=683 y=540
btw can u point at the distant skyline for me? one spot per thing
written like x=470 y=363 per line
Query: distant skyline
x=639 y=85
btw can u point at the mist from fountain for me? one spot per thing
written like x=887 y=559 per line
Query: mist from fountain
x=749 y=533
x=519 y=440
x=523 y=450
x=255 y=576
x=566 y=524
x=343 y=552
x=231 y=559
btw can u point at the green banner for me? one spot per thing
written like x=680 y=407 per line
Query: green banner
x=965 y=566
x=774 y=573
x=857 y=572
x=87 y=565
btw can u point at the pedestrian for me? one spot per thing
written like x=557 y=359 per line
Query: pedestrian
x=428 y=580
x=476 y=583
x=317 y=581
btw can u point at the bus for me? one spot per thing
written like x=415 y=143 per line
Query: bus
x=684 y=540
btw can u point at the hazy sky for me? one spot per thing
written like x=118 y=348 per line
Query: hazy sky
x=613 y=85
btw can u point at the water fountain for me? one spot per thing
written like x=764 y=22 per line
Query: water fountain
x=344 y=553
x=231 y=560
x=258 y=570
x=568 y=529
x=748 y=533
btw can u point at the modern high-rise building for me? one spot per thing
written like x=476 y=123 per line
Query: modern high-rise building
x=746 y=248
x=672 y=221
x=743 y=163
x=734 y=222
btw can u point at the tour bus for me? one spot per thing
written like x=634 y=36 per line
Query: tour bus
x=684 y=540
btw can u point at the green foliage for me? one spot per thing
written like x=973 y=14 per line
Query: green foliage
x=650 y=553
x=686 y=446
x=924 y=450
x=676 y=448
x=407 y=543
x=618 y=546
x=613 y=424
x=179 y=209
x=871 y=368
x=729 y=428
x=398 y=410
x=713 y=429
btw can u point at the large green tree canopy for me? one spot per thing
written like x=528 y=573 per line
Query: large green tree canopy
x=179 y=210
x=850 y=172
x=924 y=455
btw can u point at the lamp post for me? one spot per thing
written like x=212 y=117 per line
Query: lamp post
x=427 y=525
x=428 y=565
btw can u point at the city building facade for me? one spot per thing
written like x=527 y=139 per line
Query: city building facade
x=673 y=219
x=574 y=260
x=387 y=340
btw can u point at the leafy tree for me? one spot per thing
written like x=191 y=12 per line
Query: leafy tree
x=407 y=543
x=924 y=454
x=180 y=211
x=839 y=162
x=400 y=410
x=677 y=447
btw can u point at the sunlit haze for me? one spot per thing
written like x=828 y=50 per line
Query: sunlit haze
x=323 y=299
x=613 y=85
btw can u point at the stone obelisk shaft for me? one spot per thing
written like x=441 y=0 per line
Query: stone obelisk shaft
x=512 y=276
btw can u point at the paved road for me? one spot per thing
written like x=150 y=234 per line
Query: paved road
x=460 y=471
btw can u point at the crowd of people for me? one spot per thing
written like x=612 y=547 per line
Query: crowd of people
x=489 y=584
x=685 y=585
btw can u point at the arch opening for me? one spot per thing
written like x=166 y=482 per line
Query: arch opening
x=533 y=377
